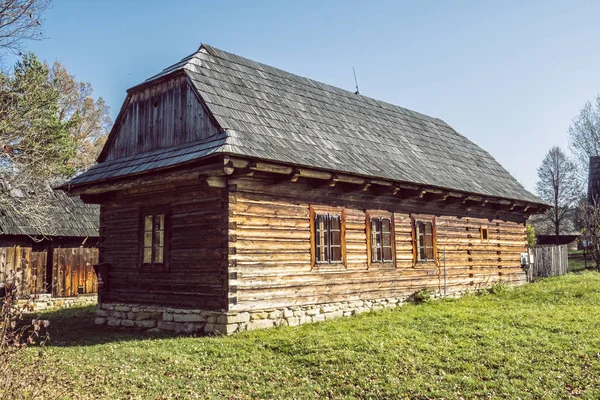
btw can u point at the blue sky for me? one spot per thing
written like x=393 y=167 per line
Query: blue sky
x=508 y=75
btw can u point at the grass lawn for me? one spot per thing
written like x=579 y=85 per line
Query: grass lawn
x=538 y=341
x=577 y=262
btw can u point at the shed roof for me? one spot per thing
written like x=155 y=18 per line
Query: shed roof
x=271 y=114
x=68 y=216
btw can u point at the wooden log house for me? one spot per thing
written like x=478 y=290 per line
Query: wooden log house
x=50 y=258
x=237 y=196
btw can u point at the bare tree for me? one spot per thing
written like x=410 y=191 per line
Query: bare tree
x=584 y=136
x=21 y=20
x=558 y=185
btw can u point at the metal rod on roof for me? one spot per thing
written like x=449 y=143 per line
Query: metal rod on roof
x=355 y=81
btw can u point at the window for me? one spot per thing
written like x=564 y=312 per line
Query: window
x=328 y=236
x=484 y=234
x=423 y=240
x=153 y=240
x=381 y=239
x=327 y=231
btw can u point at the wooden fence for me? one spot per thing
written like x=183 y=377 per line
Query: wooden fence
x=72 y=270
x=548 y=260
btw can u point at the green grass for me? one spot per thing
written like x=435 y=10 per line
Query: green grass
x=577 y=262
x=539 y=341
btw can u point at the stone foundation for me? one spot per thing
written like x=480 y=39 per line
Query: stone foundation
x=158 y=319
x=47 y=302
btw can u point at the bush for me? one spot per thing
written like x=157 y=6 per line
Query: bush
x=421 y=296
x=20 y=377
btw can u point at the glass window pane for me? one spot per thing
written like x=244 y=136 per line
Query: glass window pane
x=386 y=225
x=159 y=222
x=158 y=254
x=148 y=222
x=336 y=254
x=148 y=239
x=429 y=253
x=336 y=238
x=158 y=238
x=428 y=240
x=147 y=255
x=335 y=222
x=387 y=254
x=386 y=239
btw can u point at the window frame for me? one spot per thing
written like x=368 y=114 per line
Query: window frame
x=329 y=211
x=485 y=239
x=154 y=266
x=380 y=215
x=415 y=245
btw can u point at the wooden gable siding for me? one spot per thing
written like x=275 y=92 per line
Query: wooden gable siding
x=163 y=115
x=269 y=250
x=197 y=275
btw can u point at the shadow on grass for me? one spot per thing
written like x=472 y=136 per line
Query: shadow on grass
x=72 y=327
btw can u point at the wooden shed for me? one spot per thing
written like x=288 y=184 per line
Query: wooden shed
x=54 y=258
x=238 y=196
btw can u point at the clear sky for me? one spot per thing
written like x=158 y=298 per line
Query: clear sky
x=509 y=75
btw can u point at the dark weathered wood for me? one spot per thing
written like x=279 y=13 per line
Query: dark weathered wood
x=164 y=114
x=551 y=260
x=198 y=248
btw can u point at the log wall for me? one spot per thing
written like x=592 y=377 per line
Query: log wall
x=269 y=249
x=163 y=115
x=197 y=276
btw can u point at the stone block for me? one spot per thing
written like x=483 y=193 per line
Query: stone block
x=333 y=315
x=287 y=313
x=260 y=324
x=148 y=315
x=293 y=321
x=101 y=313
x=108 y=307
x=212 y=319
x=127 y=322
x=237 y=318
x=169 y=326
x=100 y=321
x=225 y=329
x=313 y=311
x=209 y=327
x=131 y=315
x=276 y=314
x=318 y=318
x=191 y=327
x=167 y=317
x=135 y=308
x=123 y=308
x=222 y=319
x=328 y=309
x=305 y=320
x=258 y=316
x=118 y=314
x=145 y=324
x=114 y=322
x=299 y=313
x=188 y=318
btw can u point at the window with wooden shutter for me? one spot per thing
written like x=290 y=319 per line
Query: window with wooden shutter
x=424 y=240
x=327 y=236
x=153 y=238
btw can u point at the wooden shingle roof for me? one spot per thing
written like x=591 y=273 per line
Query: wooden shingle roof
x=66 y=217
x=270 y=114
